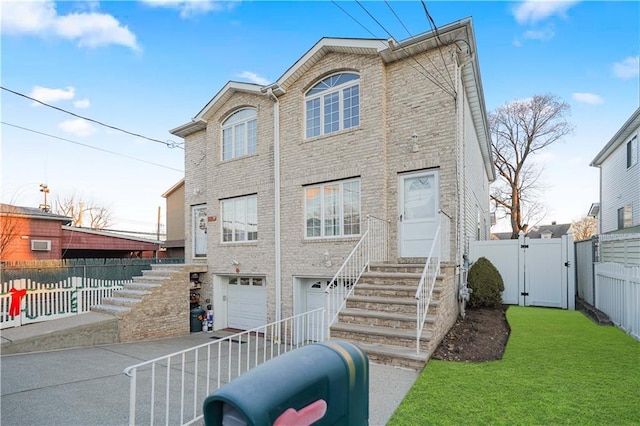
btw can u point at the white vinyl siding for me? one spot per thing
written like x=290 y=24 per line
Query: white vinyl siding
x=620 y=187
x=333 y=105
x=332 y=209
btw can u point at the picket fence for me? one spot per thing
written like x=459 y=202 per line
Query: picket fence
x=617 y=294
x=47 y=301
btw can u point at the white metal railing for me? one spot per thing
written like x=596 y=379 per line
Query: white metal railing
x=34 y=301
x=617 y=294
x=440 y=250
x=171 y=389
x=372 y=247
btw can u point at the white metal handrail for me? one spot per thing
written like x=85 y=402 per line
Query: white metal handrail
x=171 y=389
x=373 y=246
x=439 y=251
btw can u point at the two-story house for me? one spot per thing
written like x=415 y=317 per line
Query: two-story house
x=619 y=207
x=620 y=179
x=281 y=180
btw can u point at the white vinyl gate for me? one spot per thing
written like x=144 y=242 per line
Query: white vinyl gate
x=536 y=272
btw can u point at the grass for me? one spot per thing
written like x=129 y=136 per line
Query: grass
x=558 y=368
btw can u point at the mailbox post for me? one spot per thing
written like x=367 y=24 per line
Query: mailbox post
x=321 y=384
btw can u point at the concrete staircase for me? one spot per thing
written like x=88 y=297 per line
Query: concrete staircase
x=380 y=316
x=155 y=305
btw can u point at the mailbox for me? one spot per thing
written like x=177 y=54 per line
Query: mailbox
x=322 y=384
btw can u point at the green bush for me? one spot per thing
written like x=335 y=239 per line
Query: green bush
x=486 y=284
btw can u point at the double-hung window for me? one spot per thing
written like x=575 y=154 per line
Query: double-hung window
x=239 y=135
x=332 y=209
x=632 y=152
x=333 y=105
x=240 y=219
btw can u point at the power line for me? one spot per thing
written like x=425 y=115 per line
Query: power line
x=427 y=75
x=89 y=146
x=168 y=144
x=428 y=58
x=438 y=39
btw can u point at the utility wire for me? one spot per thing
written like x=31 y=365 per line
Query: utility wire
x=438 y=39
x=431 y=79
x=428 y=58
x=168 y=144
x=89 y=146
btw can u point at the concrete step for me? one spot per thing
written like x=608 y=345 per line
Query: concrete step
x=364 y=289
x=415 y=268
x=394 y=320
x=405 y=278
x=120 y=301
x=140 y=286
x=114 y=310
x=395 y=355
x=83 y=330
x=158 y=280
x=380 y=335
x=157 y=272
x=131 y=293
x=387 y=304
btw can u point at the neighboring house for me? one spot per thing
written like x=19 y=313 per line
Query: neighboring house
x=31 y=234
x=620 y=180
x=280 y=179
x=175 y=209
x=539 y=231
x=28 y=233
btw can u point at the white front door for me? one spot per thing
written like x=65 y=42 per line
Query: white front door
x=419 y=204
x=199 y=220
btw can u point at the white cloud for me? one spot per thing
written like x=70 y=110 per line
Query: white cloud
x=627 y=68
x=253 y=78
x=82 y=103
x=543 y=34
x=47 y=95
x=532 y=11
x=87 y=29
x=190 y=8
x=77 y=127
x=587 y=98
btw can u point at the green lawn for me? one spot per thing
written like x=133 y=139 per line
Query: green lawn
x=558 y=367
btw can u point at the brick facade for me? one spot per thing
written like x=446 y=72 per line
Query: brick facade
x=396 y=101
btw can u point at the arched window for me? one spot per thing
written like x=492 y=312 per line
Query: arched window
x=239 y=134
x=333 y=104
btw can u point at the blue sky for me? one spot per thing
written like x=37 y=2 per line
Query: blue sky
x=150 y=66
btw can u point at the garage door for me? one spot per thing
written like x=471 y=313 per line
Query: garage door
x=246 y=303
x=315 y=298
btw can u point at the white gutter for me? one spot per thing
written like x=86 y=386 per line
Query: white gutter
x=276 y=196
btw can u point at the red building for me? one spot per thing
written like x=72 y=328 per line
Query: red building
x=28 y=233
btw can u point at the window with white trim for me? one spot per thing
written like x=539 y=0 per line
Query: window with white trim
x=625 y=217
x=239 y=134
x=332 y=209
x=240 y=219
x=632 y=152
x=333 y=105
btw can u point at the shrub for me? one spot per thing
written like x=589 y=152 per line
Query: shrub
x=486 y=284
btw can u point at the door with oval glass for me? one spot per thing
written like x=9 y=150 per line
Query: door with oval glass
x=418 y=221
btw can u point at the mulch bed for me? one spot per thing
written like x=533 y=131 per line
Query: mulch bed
x=481 y=336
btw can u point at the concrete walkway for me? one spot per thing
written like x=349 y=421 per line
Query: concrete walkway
x=86 y=386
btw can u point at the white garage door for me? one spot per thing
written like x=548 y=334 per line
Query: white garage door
x=315 y=298
x=246 y=303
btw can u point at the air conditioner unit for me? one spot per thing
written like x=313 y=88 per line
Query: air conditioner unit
x=40 y=245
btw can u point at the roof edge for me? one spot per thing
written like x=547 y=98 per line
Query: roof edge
x=623 y=133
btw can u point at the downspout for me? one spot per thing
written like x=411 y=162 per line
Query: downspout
x=276 y=196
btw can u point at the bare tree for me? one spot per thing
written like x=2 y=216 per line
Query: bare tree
x=82 y=210
x=584 y=228
x=519 y=130
x=10 y=229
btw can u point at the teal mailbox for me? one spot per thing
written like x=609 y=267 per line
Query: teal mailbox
x=321 y=384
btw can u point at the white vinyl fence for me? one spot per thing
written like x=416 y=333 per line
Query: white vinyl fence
x=617 y=294
x=25 y=301
x=585 y=251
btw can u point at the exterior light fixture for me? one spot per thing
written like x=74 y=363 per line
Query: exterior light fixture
x=414 y=142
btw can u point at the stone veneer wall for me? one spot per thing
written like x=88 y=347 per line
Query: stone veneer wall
x=163 y=313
